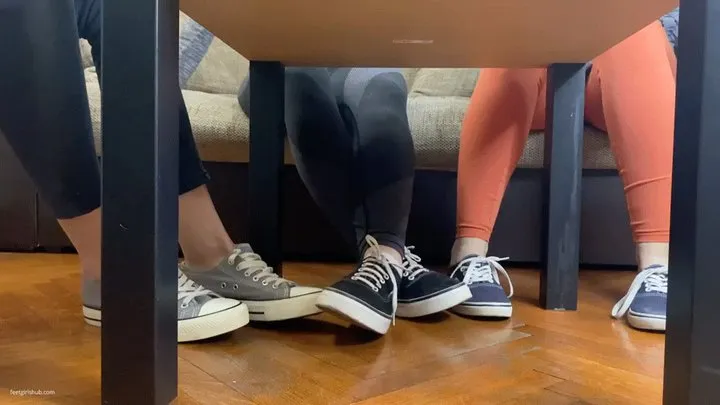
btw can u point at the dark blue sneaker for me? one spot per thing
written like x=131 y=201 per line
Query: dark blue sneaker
x=423 y=292
x=645 y=304
x=488 y=297
x=369 y=295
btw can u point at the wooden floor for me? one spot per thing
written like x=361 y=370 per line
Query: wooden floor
x=537 y=358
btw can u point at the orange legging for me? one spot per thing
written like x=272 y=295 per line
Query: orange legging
x=630 y=95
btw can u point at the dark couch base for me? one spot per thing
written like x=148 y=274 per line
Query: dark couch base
x=307 y=235
x=18 y=203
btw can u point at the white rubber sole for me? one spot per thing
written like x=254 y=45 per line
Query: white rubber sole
x=488 y=311
x=193 y=329
x=288 y=308
x=93 y=317
x=353 y=310
x=435 y=304
x=646 y=323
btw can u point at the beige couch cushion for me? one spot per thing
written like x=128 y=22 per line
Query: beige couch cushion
x=221 y=71
x=85 y=54
x=436 y=124
x=436 y=106
x=444 y=82
x=221 y=130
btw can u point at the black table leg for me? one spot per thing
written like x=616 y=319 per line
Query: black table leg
x=563 y=175
x=692 y=355
x=267 y=142
x=139 y=223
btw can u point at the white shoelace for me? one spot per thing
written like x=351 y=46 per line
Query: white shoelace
x=188 y=290
x=413 y=268
x=253 y=265
x=655 y=279
x=483 y=270
x=375 y=271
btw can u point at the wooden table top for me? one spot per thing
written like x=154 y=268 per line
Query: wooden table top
x=424 y=33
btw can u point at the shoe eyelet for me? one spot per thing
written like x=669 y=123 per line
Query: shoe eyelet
x=247 y=274
x=256 y=278
x=275 y=287
x=411 y=278
x=184 y=305
x=376 y=289
x=265 y=283
x=223 y=285
x=387 y=277
x=235 y=287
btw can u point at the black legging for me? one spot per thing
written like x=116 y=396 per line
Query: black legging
x=44 y=110
x=348 y=127
x=349 y=133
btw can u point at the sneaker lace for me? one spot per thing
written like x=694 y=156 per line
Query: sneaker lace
x=253 y=265
x=413 y=268
x=483 y=270
x=375 y=271
x=655 y=279
x=188 y=290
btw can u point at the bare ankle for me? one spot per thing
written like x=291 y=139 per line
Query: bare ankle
x=464 y=247
x=209 y=255
x=649 y=253
x=389 y=252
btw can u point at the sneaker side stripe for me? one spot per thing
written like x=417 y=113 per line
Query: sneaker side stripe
x=641 y=315
x=435 y=294
x=343 y=293
x=486 y=304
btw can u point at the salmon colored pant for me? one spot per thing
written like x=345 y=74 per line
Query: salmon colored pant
x=630 y=94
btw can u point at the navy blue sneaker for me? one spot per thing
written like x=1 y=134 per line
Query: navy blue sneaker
x=645 y=304
x=423 y=292
x=488 y=296
x=369 y=295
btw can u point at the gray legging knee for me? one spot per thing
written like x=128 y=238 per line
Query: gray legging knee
x=349 y=133
x=43 y=102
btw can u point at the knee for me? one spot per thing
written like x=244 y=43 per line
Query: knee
x=382 y=117
x=384 y=101
x=389 y=85
x=302 y=82
x=506 y=78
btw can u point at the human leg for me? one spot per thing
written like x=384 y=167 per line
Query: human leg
x=374 y=106
x=349 y=133
x=505 y=106
x=44 y=112
x=631 y=94
x=202 y=235
x=239 y=272
x=376 y=102
x=54 y=143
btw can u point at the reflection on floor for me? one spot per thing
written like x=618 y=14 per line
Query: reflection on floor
x=537 y=358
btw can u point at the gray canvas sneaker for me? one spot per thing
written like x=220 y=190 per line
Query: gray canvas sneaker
x=202 y=314
x=245 y=277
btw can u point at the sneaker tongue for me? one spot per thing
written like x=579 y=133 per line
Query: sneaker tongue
x=468 y=257
x=244 y=248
